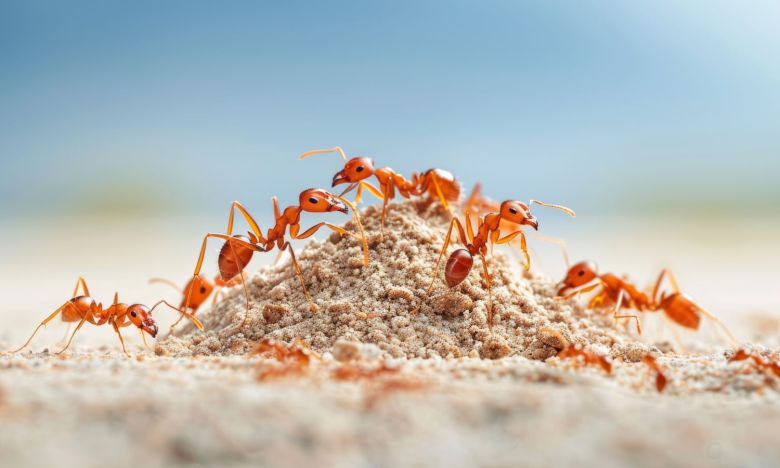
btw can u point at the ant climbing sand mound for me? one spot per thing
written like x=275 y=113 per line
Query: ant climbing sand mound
x=387 y=302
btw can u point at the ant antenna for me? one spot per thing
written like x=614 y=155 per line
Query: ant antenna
x=335 y=149
x=557 y=207
x=191 y=317
x=166 y=282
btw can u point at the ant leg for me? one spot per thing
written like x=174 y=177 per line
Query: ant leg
x=78 y=327
x=454 y=222
x=568 y=211
x=309 y=232
x=246 y=297
x=384 y=216
x=435 y=180
x=722 y=326
x=83 y=283
x=373 y=190
x=299 y=273
x=523 y=245
x=489 y=284
x=337 y=229
x=469 y=227
x=42 y=324
x=166 y=282
x=472 y=199
x=143 y=337
x=67 y=333
x=202 y=255
x=278 y=257
x=616 y=311
x=667 y=274
x=248 y=218
x=175 y=323
x=121 y=340
x=561 y=245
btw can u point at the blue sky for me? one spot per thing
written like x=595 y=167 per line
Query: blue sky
x=163 y=106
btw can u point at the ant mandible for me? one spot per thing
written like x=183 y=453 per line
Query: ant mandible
x=513 y=213
x=237 y=251
x=435 y=182
x=83 y=308
x=196 y=292
x=677 y=306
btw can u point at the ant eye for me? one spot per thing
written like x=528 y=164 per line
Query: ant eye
x=312 y=200
x=133 y=314
x=202 y=290
x=512 y=210
x=581 y=273
x=360 y=169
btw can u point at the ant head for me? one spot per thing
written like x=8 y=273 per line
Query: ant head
x=142 y=318
x=320 y=201
x=518 y=212
x=355 y=170
x=196 y=292
x=579 y=275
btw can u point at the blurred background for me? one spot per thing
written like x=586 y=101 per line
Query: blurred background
x=126 y=129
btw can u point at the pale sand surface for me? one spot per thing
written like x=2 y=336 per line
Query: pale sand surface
x=199 y=402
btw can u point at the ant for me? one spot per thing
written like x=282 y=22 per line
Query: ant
x=759 y=363
x=436 y=182
x=677 y=306
x=513 y=213
x=576 y=351
x=83 y=308
x=660 y=378
x=293 y=359
x=196 y=292
x=587 y=358
x=237 y=251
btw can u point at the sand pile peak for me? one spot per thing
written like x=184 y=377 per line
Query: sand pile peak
x=377 y=304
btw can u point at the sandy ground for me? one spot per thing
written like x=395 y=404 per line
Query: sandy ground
x=94 y=407
x=150 y=411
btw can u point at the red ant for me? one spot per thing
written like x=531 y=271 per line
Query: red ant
x=435 y=182
x=678 y=307
x=196 y=292
x=587 y=358
x=293 y=360
x=513 y=213
x=660 y=378
x=237 y=251
x=759 y=363
x=83 y=308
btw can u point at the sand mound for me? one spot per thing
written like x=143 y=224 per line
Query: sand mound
x=376 y=304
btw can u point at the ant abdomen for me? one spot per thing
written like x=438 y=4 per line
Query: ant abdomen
x=458 y=267
x=233 y=258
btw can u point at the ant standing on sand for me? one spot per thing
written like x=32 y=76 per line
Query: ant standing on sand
x=436 y=182
x=237 y=251
x=677 y=306
x=83 y=308
x=196 y=292
x=512 y=213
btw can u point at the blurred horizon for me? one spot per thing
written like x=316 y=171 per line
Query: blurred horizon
x=115 y=109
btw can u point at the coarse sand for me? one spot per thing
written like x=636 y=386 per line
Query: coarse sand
x=386 y=303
